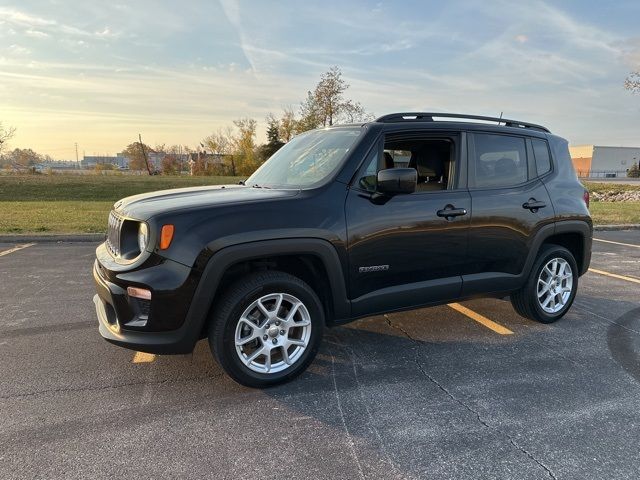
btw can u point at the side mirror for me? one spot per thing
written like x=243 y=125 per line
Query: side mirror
x=394 y=181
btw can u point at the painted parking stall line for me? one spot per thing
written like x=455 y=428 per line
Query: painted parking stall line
x=142 y=357
x=481 y=319
x=615 y=275
x=16 y=248
x=616 y=243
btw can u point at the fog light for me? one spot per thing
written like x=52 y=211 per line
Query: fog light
x=136 y=292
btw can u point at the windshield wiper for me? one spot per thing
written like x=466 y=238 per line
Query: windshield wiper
x=255 y=185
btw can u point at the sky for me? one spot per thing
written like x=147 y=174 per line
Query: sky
x=97 y=73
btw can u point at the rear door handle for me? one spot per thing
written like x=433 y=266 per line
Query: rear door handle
x=450 y=211
x=533 y=205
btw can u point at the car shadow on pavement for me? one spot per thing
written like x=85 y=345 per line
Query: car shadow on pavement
x=623 y=339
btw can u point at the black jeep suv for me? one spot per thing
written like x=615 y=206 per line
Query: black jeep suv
x=410 y=210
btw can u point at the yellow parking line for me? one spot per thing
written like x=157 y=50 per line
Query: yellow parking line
x=490 y=324
x=617 y=243
x=615 y=275
x=141 y=357
x=16 y=248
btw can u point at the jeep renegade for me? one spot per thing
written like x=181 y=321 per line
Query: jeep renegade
x=411 y=210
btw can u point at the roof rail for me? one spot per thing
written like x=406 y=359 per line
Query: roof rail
x=428 y=117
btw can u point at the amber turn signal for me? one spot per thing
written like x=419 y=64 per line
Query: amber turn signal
x=166 y=235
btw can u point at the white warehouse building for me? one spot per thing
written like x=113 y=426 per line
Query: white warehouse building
x=600 y=161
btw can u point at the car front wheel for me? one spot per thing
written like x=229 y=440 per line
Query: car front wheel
x=266 y=329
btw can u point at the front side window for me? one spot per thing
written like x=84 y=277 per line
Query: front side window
x=432 y=157
x=500 y=160
x=307 y=160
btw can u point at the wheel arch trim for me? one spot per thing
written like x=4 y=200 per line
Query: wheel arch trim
x=226 y=257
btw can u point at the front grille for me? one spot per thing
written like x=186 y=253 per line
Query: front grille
x=113 y=233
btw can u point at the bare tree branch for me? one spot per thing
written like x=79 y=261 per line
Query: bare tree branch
x=6 y=134
x=632 y=82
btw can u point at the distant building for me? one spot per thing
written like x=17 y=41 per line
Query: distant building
x=605 y=162
x=208 y=160
x=90 y=161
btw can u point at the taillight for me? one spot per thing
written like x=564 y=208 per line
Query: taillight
x=585 y=197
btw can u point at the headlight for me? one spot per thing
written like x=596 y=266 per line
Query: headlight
x=143 y=237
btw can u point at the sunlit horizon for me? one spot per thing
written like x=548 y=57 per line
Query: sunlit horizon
x=99 y=74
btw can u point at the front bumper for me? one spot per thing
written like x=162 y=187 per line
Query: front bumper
x=171 y=285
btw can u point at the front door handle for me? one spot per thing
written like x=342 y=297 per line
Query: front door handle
x=533 y=205
x=450 y=211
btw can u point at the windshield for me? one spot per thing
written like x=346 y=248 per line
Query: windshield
x=307 y=159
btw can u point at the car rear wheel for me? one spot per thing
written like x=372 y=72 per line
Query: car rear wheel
x=267 y=329
x=551 y=287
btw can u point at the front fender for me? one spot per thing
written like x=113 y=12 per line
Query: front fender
x=225 y=257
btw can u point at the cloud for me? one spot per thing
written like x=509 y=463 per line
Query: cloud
x=521 y=38
x=35 y=33
x=17 y=17
x=231 y=9
x=33 y=25
x=18 y=50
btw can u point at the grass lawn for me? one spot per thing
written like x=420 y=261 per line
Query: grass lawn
x=58 y=216
x=615 y=213
x=81 y=203
x=76 y=203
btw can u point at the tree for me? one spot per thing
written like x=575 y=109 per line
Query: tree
x=170 y=165
x=6 y=134
x=221 y=143
x=288 y=125
x=327 y=105
x=273 y=138
x=634 y=171
x=632 y=82
x=24 y=157
x=309 y=113
x=136 y=158
x=246 y=160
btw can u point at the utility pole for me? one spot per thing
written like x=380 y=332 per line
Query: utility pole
x=77 y=161
x=144 y=154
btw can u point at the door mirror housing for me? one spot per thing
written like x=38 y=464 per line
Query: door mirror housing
x=395 y=181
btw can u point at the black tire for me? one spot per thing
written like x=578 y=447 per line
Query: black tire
x=232 y=304
x=525 y=301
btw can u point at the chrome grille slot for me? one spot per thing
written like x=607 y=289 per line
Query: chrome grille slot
x=113 y=233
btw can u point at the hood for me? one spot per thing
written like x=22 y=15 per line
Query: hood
x=146 y=205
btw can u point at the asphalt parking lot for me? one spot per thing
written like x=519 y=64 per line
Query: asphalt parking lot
x=446 y=392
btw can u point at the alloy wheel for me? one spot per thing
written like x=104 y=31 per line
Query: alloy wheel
x=272 y=333
x=554 y=286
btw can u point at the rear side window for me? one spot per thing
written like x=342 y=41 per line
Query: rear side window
x=541 y=152
x=500 y=160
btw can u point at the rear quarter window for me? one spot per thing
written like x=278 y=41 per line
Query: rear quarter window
x=541 y=152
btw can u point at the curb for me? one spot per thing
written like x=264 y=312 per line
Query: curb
x=27 y=238
x=609 y=228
